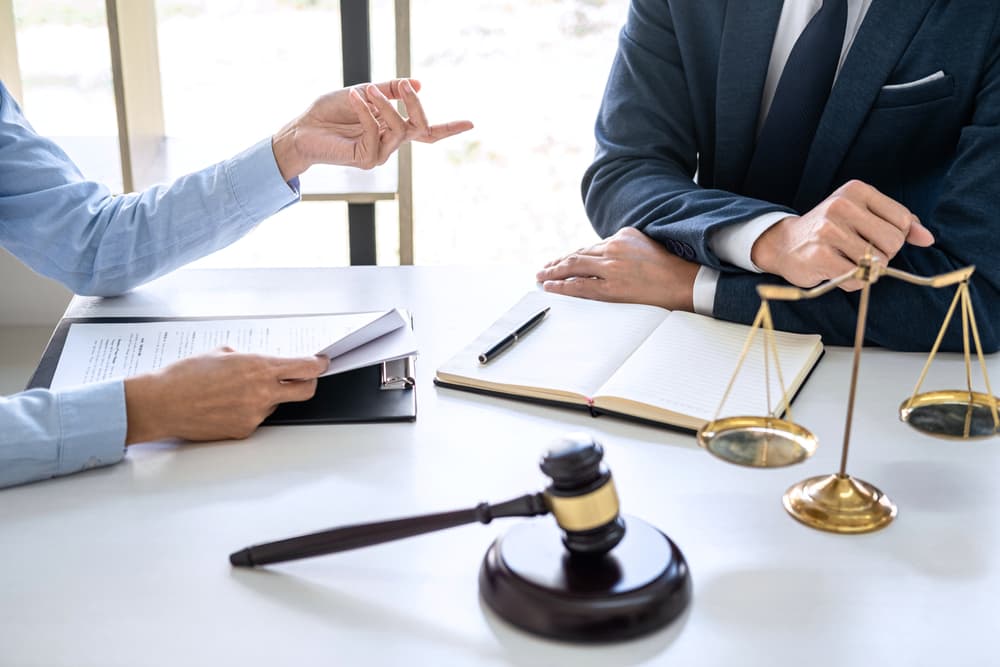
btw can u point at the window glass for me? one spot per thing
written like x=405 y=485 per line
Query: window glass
x=528 y=73
x=66 y=75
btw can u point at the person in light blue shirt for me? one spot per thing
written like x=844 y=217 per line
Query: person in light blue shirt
x=75 y=231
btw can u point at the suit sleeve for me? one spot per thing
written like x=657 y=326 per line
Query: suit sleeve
x=647 y=148
x=967 y=231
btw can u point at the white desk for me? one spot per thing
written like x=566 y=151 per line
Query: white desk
x=128 y=565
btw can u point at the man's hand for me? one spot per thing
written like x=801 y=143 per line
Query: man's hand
x=831 y=239
x=215 y=396
x=628 y=267
x=357 y=127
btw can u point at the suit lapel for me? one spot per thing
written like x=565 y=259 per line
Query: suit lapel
x=744 y=54
x=886 y=31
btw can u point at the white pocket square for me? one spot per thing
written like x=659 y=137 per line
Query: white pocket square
x=919 y=82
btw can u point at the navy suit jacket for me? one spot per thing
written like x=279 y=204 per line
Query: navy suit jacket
x=677 y=126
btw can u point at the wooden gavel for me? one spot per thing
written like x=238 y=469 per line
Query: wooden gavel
x=581 y=497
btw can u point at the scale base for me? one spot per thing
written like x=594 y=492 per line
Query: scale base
x=839 y=504
x=531 y=581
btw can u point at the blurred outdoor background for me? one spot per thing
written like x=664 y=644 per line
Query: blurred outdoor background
x=528 y=73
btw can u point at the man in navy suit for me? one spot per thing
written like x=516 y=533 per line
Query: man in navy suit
x=701 y=194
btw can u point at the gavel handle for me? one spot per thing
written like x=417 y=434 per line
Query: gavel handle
x=367 y=534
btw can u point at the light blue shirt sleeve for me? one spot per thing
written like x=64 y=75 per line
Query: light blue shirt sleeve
x=47 y=434
x=75 y=231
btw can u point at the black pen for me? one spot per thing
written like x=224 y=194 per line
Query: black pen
x=512 y=337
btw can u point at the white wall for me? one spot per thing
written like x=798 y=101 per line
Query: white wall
x=27 y=298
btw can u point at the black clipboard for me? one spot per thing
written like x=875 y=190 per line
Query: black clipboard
x=381 y=393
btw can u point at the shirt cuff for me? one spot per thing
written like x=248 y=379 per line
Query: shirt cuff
x=257 y=183
x=704 y=290
x=734 y=243
x=92 y=424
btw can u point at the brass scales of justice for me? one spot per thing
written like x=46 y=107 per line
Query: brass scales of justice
x=838 y=502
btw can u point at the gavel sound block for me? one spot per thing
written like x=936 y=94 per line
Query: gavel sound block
x=617 y=577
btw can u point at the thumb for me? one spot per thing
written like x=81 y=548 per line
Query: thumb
x=919 y=235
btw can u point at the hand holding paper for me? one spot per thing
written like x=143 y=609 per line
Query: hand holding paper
x=208 y=379
x=215 y=396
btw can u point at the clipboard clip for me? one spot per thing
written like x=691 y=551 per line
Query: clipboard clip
x=397 y=374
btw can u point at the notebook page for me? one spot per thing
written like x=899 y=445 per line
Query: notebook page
x=686 y=364
x=575 y=348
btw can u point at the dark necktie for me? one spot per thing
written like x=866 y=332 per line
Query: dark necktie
x=799 y=99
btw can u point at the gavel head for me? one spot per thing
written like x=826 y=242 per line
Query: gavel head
x=582 y=495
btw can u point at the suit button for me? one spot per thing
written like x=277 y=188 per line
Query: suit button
x=687 y=252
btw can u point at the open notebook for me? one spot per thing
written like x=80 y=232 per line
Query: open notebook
x=630 y=360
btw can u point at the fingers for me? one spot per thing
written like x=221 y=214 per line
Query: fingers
x=396 y=126
x=572 y=266
x=357 y=126
x=860 y=230
x=394 y=89
x=919 y=235
x=368 y=147
x=886 y=207
x=597 y=250
x=583 y=287
x=555 y=261
x=902 y=227
x=216 y=396
x=418 y=119
x=837 y=265
x=416 y=127
x=444 y=130
x=297 y=378
x=419 y=128
x=295 y=390
x=303 y=368
x=832 y=238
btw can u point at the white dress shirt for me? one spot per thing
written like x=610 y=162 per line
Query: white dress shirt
x=734 y=243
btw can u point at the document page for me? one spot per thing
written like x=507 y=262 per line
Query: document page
x=95 y=351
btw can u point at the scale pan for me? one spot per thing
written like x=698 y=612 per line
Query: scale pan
x=951 y=413
x=757 y=442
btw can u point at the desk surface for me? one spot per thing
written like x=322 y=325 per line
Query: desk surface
x=128 y=565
